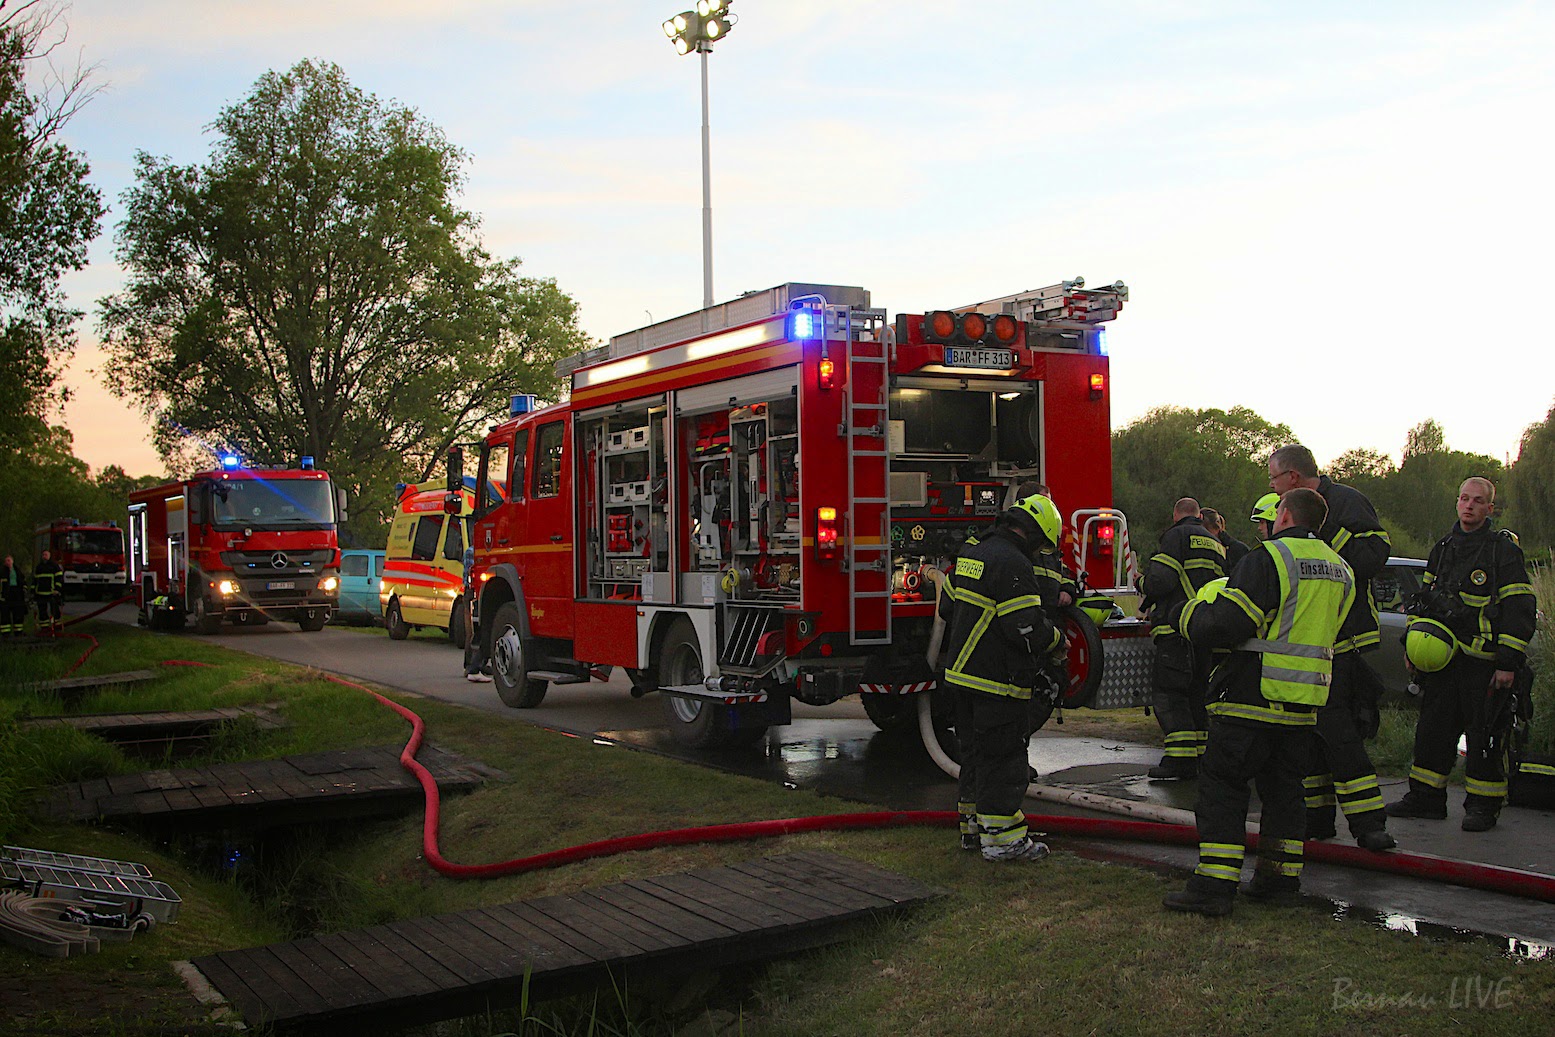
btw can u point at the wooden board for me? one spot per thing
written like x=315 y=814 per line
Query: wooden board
x=446 y=966
x=68 y=686
x=162 y=729
x=262 y=792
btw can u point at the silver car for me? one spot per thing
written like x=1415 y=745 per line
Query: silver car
x=1394 y=587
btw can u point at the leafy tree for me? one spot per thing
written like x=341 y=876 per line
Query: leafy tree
x=1218 y=457
x=1360 y=466
x=315 y=289
x=49 y=213
x=1418 y=498
x=49 y=482
x=1531 y=490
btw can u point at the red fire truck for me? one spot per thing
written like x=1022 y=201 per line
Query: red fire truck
x=750 y=504
x=90 y=553
x=241 y=544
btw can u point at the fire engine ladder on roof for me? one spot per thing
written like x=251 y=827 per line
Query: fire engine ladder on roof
x=869 y=539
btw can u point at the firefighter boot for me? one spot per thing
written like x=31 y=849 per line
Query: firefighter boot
x=1028 y=849
x=1173 y=768
x=1425 y=805
x=1006 y=838
x=1376 y=839
x=1211 y=897
x=1479 y=819
x=1274 y=889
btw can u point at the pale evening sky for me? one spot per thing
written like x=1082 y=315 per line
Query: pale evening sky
x=1336 y=214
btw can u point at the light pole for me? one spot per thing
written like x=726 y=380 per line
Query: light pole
x=696 y=31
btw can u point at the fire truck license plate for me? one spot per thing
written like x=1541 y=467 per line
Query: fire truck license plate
x=281 y=585
x=966 y=356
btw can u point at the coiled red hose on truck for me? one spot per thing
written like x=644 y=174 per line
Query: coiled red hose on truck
x=1415 y=865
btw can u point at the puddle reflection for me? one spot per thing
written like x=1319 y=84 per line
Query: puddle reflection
x=1397 y=921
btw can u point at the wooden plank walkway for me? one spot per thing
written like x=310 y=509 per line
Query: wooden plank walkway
x=260 y=793
x=445 y=966
x=162 y=727
x=74 y=687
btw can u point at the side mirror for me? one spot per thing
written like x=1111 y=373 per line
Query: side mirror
x=455 y=470
x=453 y=503
x=340 y=505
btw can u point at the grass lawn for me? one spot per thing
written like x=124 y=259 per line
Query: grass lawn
x=1069 y=945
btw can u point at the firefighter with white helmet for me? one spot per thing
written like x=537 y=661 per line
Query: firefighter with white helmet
x=1466 y=643
x=998 y=637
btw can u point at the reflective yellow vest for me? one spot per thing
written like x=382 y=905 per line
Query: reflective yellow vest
x=1296 y=639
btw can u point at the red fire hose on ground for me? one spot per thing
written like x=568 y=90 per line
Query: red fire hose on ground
x=1490 y=877
x=1415 y=865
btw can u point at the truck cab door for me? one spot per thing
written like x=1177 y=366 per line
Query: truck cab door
x=548 y=582
x=496 y=519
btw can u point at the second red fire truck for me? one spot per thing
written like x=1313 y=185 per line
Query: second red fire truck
x=238 y=544
x=90 y=554
x=750 y=504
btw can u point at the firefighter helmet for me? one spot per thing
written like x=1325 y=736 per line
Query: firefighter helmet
x=1211 y=590
x=1264 y=510
x=1100 y=608
x=1044 y=513
x=1428 y=644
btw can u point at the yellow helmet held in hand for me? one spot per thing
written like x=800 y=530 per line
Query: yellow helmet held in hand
x=1044 y=513
x=1428 y=644
x=1211 y=590
x=1266 y=507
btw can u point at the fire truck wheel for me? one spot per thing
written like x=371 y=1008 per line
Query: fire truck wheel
x=312 y=625
x=510 y=661
x=458 y=624
x=890 y=712
x=695 y=723
x=205 y=622
x=1085 y=657
x=395 y=623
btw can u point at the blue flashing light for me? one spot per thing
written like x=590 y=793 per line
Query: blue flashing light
x=306 y=462
x=231 y=461
x=1101 y=341
x=521 y=404
x=804 y=324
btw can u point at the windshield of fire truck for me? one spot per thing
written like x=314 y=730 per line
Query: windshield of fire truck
x=278 y=502
x=93 y=542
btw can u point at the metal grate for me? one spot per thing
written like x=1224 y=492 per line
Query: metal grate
x=747 y=626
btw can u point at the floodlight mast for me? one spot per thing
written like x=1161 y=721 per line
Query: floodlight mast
x=695 y=31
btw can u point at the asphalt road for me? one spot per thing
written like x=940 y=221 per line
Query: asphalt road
x=836 y=750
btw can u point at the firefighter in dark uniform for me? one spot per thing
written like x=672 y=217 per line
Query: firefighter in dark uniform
x=1475 y=585
x=1341 y=771
x=1215 y=522
x=1058 y=588
x=48 y=591
x=1280 y=613
x=997 y=638
x=13 y=598
x=1189 y=557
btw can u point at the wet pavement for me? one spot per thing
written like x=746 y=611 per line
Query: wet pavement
x=835 y=750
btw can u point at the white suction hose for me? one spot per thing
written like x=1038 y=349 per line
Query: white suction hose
x=1051 y=793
